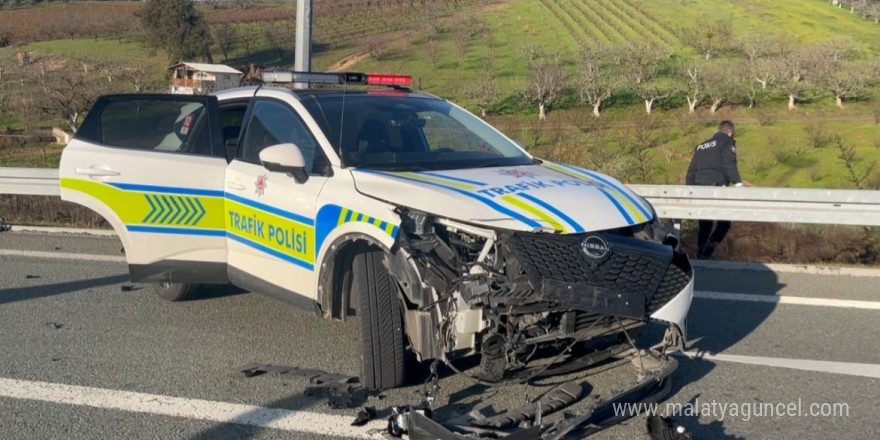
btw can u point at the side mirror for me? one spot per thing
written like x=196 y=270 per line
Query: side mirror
x=285 y=158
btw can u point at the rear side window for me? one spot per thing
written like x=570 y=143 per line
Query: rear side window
x=164 y=124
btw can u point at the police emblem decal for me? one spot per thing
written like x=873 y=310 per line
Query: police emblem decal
x=261 y=184
x=517 y=173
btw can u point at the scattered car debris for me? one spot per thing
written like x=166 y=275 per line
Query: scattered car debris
x=340 y=390
x=4 y=226
x=366 y=414
x=653 y=370
x=129 y=288
x=400 y=420
x=31 y=277
x=316 y=377
x=556 y=399
x=54 y=325
x=661 y=428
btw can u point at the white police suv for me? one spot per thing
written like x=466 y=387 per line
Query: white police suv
x=438 y=233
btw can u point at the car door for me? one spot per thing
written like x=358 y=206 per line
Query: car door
x=270 y=217
x=153 y=166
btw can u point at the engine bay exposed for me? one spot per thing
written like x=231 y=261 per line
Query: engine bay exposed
x=512 y=296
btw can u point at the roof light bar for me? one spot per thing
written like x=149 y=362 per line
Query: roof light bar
x=282 y=76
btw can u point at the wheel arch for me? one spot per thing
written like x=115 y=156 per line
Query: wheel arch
x=335 y=271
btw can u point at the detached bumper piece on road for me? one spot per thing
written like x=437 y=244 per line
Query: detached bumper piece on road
x=652 y=384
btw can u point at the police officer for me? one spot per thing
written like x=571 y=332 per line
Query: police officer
x=714 y=164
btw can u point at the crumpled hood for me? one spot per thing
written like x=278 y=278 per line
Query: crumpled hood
x=549 y=196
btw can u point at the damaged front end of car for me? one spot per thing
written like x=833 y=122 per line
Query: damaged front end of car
x=535 y=304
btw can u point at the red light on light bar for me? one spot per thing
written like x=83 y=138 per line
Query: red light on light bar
x=389 y=80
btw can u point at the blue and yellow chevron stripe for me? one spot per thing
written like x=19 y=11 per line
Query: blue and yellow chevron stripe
x=174 y=210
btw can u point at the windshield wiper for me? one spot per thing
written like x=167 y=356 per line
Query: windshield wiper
x=403 y=168
x=490 y=165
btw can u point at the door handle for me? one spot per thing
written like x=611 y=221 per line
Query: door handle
x=96 y=172
x=235 y=185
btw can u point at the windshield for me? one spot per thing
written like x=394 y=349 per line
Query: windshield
x=396 y=131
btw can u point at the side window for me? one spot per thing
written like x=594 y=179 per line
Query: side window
x=272 y=123
x=162 y=125
x=231 y=120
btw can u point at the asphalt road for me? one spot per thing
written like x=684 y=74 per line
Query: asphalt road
x=84 y=354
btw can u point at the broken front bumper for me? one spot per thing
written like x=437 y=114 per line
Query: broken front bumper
x=653 y=383
x=568 y=292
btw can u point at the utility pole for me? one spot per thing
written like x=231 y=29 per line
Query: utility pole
x=303 y=50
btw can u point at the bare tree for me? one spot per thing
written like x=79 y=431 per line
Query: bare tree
x=793 y=71
x=138 y=76
x=594 y=80
x=68 y=93
x=654 y=91
x=433 y=13
x=546 y=78
x=694 y=76
x=872 y=10
x=745 y=84
x=247 y=39
x=460 y=37
x=432 y=51
x=275 y=37
x=755 y=46
x=376 y=47
x=837 y=73
x=484 y=92
x=850 y=81
x=225 y=37
x=708 y=39
x=641 y=60
x=721 y=85
x=764 y=71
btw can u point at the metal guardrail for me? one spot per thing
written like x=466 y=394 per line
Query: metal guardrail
x=774 y=205
x=29 y=181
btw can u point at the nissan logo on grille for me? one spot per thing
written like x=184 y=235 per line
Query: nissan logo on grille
x=595 y=247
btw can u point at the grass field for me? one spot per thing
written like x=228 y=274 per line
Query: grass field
x=778 y=148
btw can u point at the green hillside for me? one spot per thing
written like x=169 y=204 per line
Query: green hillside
x=450 y=48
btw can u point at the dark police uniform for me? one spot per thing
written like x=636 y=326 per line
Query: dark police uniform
x=713 y=164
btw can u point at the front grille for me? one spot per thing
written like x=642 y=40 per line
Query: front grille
x=674 y=280
x=633 y=266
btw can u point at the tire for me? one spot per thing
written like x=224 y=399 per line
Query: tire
x=381 y=323
x=176 y=291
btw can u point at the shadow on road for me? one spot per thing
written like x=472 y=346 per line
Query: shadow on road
x=44 y=290
x=218 y=291
x=690 y=371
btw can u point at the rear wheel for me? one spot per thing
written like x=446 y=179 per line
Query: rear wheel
x=176 y=291
x=381 y=322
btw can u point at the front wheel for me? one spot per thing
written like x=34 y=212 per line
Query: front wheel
x=381 y=322
x=176 y=291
